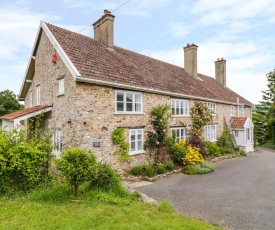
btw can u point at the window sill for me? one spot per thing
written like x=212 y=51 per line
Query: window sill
x=136 y=153
x=60 y=94
x=127 y=113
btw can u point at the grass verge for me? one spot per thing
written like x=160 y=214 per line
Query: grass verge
x=53 y=209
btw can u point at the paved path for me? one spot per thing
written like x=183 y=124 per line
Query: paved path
x=239 y=194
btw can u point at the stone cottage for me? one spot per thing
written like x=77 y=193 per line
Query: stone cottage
x=86 y=88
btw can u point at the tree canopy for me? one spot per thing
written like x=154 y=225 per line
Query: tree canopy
x=8 y=102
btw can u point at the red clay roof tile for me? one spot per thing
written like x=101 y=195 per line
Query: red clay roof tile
x=23 y=112
x=238 y=122
x=94 y=61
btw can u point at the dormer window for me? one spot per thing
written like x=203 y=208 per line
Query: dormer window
x=61 y=88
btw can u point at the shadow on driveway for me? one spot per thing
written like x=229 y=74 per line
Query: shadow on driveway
x=239 y=194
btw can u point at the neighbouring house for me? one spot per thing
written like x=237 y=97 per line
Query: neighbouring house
x=86 y=88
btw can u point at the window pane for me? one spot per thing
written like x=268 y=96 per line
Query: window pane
x=129 y=97
x=133 y=146
x=129 y=107
x=120 y=106
x=138 y=107
x=133 y=135
x=119 y=96
x=137 y=97
x=139 y=145
x=139 y=135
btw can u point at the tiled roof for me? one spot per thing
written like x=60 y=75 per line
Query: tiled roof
x=23 y=112
x=238 y=122
x=94 y=61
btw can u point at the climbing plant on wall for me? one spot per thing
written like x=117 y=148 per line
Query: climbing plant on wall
x=159 y=116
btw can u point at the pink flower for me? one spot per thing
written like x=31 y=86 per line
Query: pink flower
x=160 y=120
x=154 y=132
x=164 y=130
x=157 y=143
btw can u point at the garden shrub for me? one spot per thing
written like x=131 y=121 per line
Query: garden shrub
x=161 y=169
x=77 y=166
x=136 y=170
x=177 y=151
x=212 y=149
x=150 y=171
x=107 y=179
x=243 y=153
x=199 y=168
x=225 y=140
x=169 y=165
x=24 y=162
x=192 y=156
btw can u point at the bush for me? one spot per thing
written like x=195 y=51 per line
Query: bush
x=77 y=166
x=169 y=165
x=161 y=169
x=212 y=149
x=23 y=163
x=199 y=168
x=192 y=156
x=150 y=171
x=177 y=151
x=136 y=170
x=225 y=140
x=108 y=179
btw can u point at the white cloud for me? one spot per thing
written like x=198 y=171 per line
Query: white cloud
x=179 y=30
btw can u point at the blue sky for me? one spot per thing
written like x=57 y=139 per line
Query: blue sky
x=241 y=31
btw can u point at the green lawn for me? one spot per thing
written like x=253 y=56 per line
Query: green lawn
x=94 y=211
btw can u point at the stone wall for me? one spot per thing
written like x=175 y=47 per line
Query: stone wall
x=46 y=75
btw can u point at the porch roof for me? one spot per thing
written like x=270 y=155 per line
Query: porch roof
x=27 y=113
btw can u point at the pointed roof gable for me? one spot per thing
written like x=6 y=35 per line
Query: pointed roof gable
x=238 y=122
x=91 y=61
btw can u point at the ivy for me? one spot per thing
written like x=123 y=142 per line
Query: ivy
x=118 y=138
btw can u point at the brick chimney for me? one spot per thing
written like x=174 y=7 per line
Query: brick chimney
x=104 y=29
x=220 y=71
x=190 y=59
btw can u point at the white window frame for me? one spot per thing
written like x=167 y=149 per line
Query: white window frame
x=211 y=106
x=232 y=110
x=179 y=133
x=38 y=95
x=180 y=107
x=136 y=151
x=134 y=94
x=61 y=86
x=57 y=141
x=236 y=133
x=210 y=132
x=30 y=99
x=242 y=111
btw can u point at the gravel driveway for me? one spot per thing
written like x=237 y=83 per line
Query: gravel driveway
x=239 y=194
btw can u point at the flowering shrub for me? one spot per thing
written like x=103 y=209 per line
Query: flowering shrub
x=192 y=156
x=155 y=141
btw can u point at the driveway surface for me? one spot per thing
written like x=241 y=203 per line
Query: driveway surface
x=239 y=194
